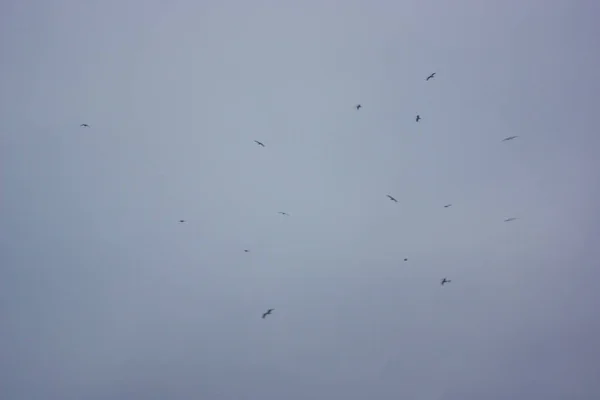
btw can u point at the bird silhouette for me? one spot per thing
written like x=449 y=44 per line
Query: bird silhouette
x=509 y=138
x=259 y=143
x=418 y=118
x=510 y=219
x=246 y=251
x=283 y=213
x=392 y=199
x=406 y=259
x=358 y=106
x=448 y=205
x=182 y=220
x=269 y=311
x=445 y=281
x=430 y=76
x=85 y=125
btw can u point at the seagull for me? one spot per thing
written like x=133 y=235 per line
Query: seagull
x=269 y=311
x=283 y=213
x=358 y=106
x=445 y=281
x=259 y=143
x=418 y=118
x=430 y=76
x=85 y=125
x=392 y=199
x=448 y=205
x=510 y=219
x=509 y=138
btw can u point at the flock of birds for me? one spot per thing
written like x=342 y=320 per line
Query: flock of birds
x=358 y=107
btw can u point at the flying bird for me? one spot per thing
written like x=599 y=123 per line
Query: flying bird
x=269 y=311
x=259 y=143
x=448 y=205
x=358 y=106
x=445 y=281
x=182 y=220
x=509 y=138
x=406 y=259
x=246 y=251
x=283 y=213
x=510 y=219
x=430 y=76
x=392 y=199
x=418 y=118
x=85 y=125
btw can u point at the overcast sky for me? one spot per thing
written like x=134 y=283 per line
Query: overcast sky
x=105 y=295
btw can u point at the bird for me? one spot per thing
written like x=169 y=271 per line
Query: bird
x=406 y=259
x=182 y=220
x=283 y=213
x=392 y=199
x=246 y=251
x=445 y=281
x=430 y=76
x=448 y=205
x=509 y=138
x=358 y=106
x=85 y=125
x=269 y=311
x=510 y=219
x=418 y=118
x=259 y=143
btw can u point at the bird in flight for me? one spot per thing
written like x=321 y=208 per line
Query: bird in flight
x=510 y=219
x=269 y=311
x=392 y=199
x=85 y=125
x=418 y=118
x=259 y=143
x=430 y=76
x=246 y=251
x=182 y=220
x=448 y=205
x=509 y=138
x=445 y=281
x=283 y=213
x=358 y=106
x=406 y=259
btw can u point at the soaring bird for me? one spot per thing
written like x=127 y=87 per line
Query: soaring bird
x=418 y=118
x=358 y=106
x=509 y=138
x=85 y=125
x=283 y=213
x=269 y=311
x=182 y=220
x=430 y=76
x=510 y=219
x=445 y=281
x=448 y=205
x=392 y=199
x=259 y=143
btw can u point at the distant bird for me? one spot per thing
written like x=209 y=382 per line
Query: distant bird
x=448 y=205
x=247 y=251
x=445 y=281
x=510 y=219
x=430 y=76
x=392 y=199
x=418 y=118
x=509 y=138
x=269 y=311
x=406 y=259
x=358 y=106
x=259 y=143
x=283 y=213
x=181 y=220
x=85 y=125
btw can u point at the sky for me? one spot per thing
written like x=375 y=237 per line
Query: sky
x=105 y=295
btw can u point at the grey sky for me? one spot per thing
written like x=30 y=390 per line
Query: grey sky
x=105 y=295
